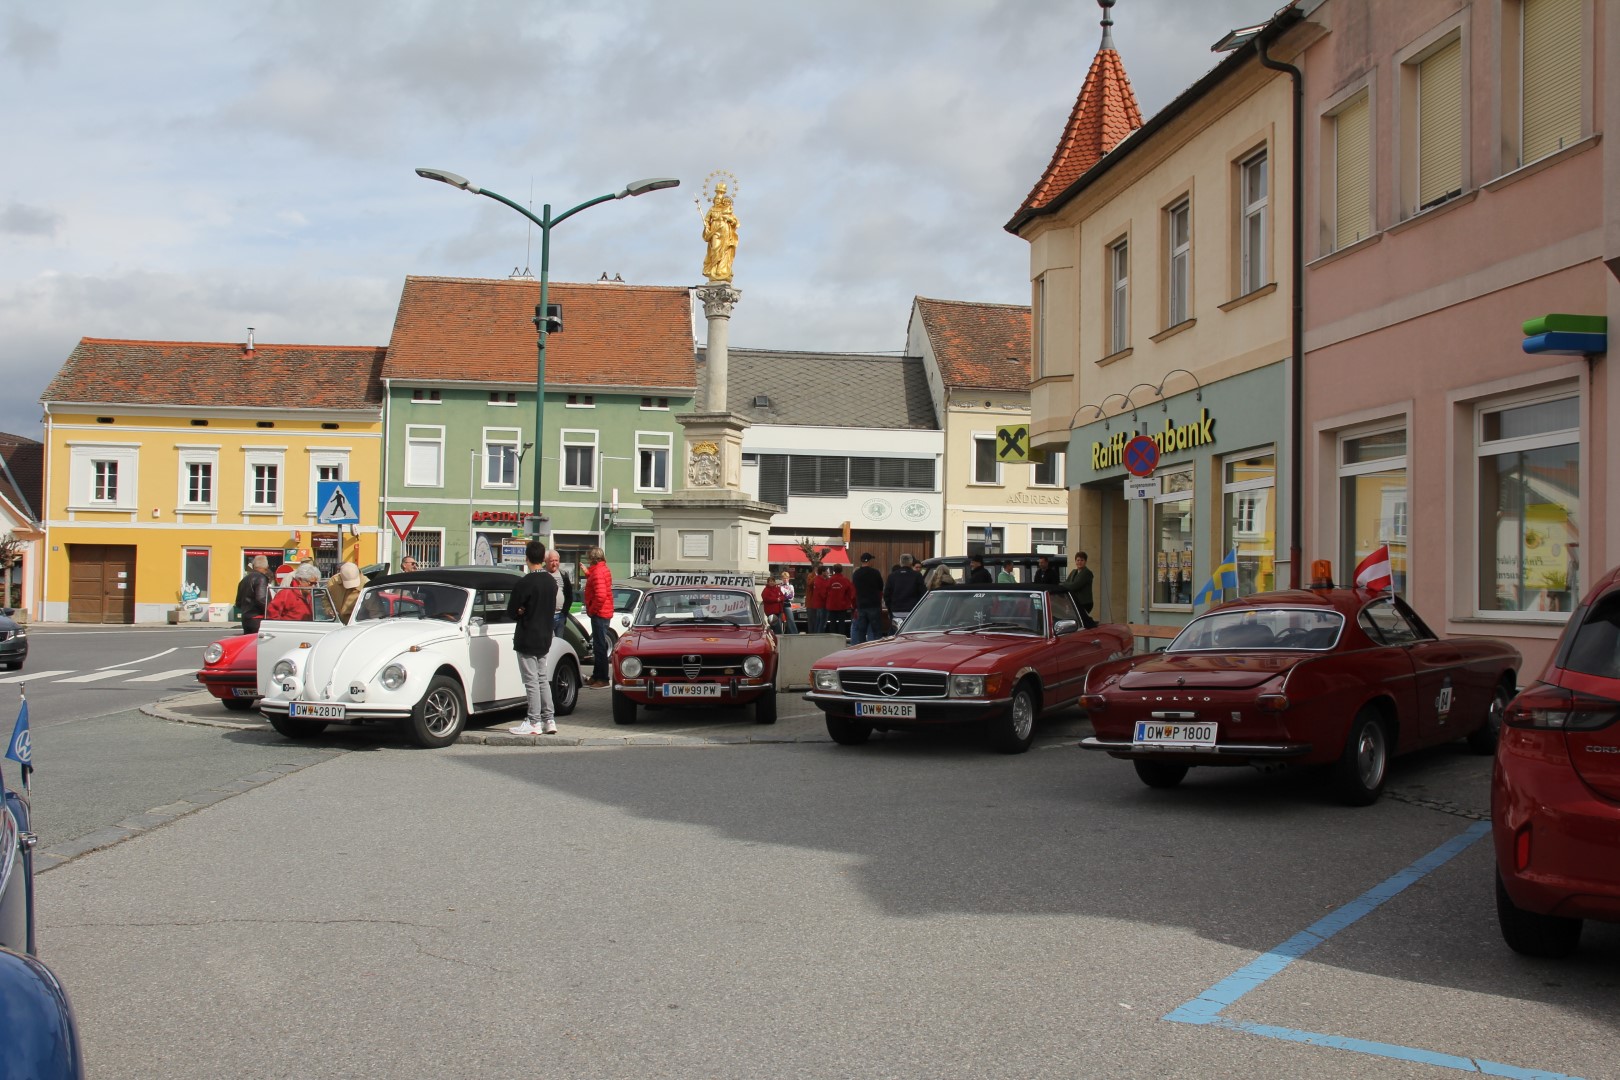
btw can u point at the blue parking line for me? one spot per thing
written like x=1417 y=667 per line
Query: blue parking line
x=1206 y=1008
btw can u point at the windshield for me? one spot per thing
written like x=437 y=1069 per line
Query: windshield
x=723 y=606
x=300 y=603
x=412 y=600
x=1261 y=628
x=1002 y=611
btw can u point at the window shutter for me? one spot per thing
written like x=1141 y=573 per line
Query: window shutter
x=1353 y=179
x=1551 y=109
x=773 y=478
x=1440 y=124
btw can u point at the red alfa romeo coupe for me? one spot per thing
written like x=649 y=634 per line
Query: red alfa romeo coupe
x=700 y=645
x=1344 y=678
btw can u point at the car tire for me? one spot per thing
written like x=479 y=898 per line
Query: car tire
x=1358 y=775
x=241 y=704
x=438 y=718
x=624 y=709
x=765 y=707
x=1013 y=732
x=289 y=728
x=565 y=687
x=1530 y=934
x=1160 y=774
x=847 y=732
x=1483 y=739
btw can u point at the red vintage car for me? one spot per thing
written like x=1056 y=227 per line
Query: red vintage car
x=1555 y=792
x=230 y=671
x=1339 y=677
x=996 y=655
x=699 y=645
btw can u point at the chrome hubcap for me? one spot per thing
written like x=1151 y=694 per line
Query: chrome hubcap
x=1370 y=755
x=441 y=712
x=1023 y=716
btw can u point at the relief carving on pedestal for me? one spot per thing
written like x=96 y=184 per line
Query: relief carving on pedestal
x=703 y=471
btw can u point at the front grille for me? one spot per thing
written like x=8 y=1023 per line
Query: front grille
x=694 y=666
x=863 y=682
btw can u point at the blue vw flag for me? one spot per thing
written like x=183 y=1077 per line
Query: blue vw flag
x=1224 y=577
x=21 y=749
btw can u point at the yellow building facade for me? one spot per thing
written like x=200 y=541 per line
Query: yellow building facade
x=164 y=476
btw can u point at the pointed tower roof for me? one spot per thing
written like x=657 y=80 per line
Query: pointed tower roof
x=1103 y=115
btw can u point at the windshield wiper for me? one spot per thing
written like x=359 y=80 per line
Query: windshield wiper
x=1003 y=626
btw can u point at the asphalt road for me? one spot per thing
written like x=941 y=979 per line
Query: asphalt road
x=913 y=908
x=75 y=672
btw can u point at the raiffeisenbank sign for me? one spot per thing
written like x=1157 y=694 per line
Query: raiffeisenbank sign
x=1171 y=438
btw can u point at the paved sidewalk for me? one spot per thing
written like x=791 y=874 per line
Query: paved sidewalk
x=592 y=724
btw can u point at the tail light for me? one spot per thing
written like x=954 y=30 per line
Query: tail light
x=1521 y=848
x=1554 y=708
x=1092 y=703
x=1272 y=702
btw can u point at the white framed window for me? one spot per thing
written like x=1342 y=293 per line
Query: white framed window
x=103 y=476
x=578 y=460
x=503 y=397
x=1047 y=473
x=581 y=401
x=1248 y=486
x=1373 y=499
x=1253 y=188
x=1119 y=295
x=655 y=404
x=424 y=456
x=500 y=453
x=325 y=464
x=1529 y=508
x=986 y=467
x=985 y=540
x=1178 y=283
x=423 y=395
x=426 y=546
x=643 y=552
x=1174 y=549
x=263 y=482
x=1049 y=541
x=653 y=450
x=198 y=477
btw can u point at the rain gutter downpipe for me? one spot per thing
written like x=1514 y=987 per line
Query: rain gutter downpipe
x=1296 y=284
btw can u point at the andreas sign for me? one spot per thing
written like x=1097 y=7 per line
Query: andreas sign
x=1173 y=437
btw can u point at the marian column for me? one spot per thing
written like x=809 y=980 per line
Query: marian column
x=709 y=523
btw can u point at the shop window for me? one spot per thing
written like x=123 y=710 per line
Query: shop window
x=1373 y=500
x=1049 y=541
x=1529 y=505
x=1173 y=548
x=1249 y=487
x=194 y=572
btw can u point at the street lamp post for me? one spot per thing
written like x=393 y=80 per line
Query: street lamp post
x=541 y=321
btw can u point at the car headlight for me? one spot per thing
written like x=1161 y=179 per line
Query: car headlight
x=967 y=686
x=213 y=654
x=393 y=676
x=630 y=667
x=753 y=666
x=284 y=669
x=826 y=680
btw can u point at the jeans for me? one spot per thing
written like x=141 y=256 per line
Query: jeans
x=538 y=688
x=818 y=620
x=789 y=624
x=600 y=647
x=868 y=625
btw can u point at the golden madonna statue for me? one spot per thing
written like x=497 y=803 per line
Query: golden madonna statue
x=720 y=233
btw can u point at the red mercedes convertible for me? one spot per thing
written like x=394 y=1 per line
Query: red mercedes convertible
x=1343 y=678
x=996 y=655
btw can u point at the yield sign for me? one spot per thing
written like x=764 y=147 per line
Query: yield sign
x=401 y=521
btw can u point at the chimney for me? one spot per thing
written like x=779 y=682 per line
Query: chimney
x=247 y=350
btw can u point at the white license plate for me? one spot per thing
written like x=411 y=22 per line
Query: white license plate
x=701 y=689
x=244 y=691
x=1173 y=733
x=309 y=710
x=886 y=710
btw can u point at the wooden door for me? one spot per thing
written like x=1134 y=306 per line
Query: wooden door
x=101 y=583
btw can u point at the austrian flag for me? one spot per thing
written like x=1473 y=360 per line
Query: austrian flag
x=1373 y=572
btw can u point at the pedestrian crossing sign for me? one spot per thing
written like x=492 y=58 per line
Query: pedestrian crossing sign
x=339 y=501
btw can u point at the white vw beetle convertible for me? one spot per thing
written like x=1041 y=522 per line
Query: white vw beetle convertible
x=423 y=650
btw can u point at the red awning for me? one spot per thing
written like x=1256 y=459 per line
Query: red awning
x=793 y=555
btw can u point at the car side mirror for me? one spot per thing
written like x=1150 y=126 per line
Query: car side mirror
x=1065 y=626
x=476 y=620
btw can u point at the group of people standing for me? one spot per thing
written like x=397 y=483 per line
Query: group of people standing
x=296 y=601
x=538 y=606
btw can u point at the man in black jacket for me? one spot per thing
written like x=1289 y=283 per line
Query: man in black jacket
x=903 y=589
x=977 y=573
x=532 y=606
x=868 y=622
x=253 y=594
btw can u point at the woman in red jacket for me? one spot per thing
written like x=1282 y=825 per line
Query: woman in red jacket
x=815 y=599
x=599 y=606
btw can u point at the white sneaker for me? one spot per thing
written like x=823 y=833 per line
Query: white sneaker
x=550 y=728
x=526 y=728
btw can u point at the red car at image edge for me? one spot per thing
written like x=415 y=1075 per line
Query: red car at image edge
x=1555 y=791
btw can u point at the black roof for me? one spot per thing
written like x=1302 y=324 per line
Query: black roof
x=467 y=577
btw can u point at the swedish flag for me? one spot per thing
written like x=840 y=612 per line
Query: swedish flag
x=1224 y=577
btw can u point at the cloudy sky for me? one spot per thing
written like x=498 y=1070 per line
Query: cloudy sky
x=184 y=170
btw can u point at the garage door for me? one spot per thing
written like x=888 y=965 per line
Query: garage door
x=101 y=583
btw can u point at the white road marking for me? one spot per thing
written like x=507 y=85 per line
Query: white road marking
x=142 y=660
x=33 y=676
x=97 y=676
x=165 y=676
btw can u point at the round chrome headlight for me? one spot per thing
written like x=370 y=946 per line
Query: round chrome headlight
x=284 y=669
x=393 y=676
x=213 y=654
x=753 y=666
x=630 y=667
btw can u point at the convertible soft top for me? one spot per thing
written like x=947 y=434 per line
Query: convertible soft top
x=467 y=577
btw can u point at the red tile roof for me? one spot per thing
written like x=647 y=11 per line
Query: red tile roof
x=212 y=375
x=1103 y=114
x=482 y=330
x=985 y=346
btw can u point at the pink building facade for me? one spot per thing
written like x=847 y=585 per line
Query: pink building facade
x=1458 y=183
